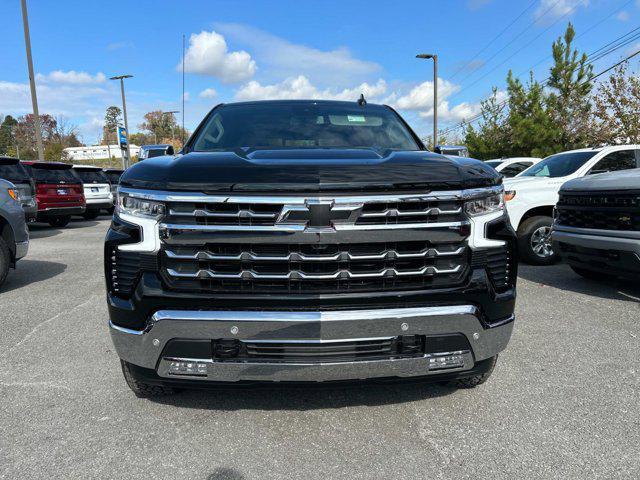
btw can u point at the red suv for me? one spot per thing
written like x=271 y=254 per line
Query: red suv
x=59 y=192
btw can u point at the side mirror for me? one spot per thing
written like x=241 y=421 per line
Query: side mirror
x=169 y=150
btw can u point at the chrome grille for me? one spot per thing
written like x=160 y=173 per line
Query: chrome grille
x=339 y=212
x=298 y=244
x=311 y=267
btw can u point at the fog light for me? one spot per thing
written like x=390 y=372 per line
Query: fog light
x=183 y=367
x=441 y=361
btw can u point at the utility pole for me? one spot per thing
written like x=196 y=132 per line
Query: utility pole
x=435 y=93
x=124 y=112
x=32 y=81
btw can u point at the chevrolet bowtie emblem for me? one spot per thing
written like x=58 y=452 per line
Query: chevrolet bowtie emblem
x=319 y=214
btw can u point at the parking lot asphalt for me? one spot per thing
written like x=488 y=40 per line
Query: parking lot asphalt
x=563 y=401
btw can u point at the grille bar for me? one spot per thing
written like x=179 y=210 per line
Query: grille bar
x=299 y=275
x=301 y=257
x=394 y=212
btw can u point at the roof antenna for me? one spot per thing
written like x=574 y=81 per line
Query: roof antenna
x=361 y=101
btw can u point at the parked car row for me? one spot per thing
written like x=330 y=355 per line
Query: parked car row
x=50 y=192
x=532 y=195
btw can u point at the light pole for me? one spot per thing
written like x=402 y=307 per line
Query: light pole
x=173 y=137
x=32 y=82
x=426 y=56
x=124 y=112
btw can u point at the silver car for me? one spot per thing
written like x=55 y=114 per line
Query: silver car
x=14 y=235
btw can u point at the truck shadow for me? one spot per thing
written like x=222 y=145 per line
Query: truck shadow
x=303 y=398
x=563 y=278
x=31 y=271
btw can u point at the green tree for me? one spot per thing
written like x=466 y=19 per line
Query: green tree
x=491 y=140
x=112 y=118
x=7 y=139
x=533 y=131
x=569 y=102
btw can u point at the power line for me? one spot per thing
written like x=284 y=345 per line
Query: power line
x=503 y=103
x=582 y=34
x=615 y=44
x=493 y=40
x=514 y=53
x=509 y=43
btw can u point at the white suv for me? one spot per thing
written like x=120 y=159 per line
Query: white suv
x=532 y=195
x=97 y=190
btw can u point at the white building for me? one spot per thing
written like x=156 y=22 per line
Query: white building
x=96 y=152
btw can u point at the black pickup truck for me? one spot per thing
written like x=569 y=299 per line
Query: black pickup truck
x=308 y=241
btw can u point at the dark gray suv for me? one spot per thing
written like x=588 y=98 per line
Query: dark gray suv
x=14 y=236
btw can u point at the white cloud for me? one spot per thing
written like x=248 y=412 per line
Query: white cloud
x=280 y=58
x=208 y=93
x=295 y=88
x=552 y=9
x=420 y=97
x=623 y=16
x=208 y=55
x=187 y=96
x=71 y=77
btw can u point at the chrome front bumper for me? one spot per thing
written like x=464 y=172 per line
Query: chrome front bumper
x=144 y=348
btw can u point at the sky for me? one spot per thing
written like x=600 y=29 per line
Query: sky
x=252 y=50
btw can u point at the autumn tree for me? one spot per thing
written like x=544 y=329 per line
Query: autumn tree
x=617 y=108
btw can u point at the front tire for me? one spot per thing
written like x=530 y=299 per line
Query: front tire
x=60 y=222
x=474 y=381
x=5 y=260
x=142 y=389
x=534 y=241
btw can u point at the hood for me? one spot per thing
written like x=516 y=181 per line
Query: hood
x=308 y=170
x=621 y=180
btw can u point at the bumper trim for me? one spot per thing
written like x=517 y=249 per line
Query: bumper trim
x=144 y=347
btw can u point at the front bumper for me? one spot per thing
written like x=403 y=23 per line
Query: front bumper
x=604 y=251
x=145 y=348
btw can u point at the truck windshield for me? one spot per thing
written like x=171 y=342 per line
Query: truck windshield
x=559 y=165
x=52 y=175
x=92 y=176
x=13 y=172
x=305 y=125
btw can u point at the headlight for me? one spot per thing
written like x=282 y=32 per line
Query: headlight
x=139 y=207
x=484 y=205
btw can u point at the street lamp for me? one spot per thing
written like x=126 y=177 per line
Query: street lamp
x=124 y=111
x=427 y=56
x=173 y=138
